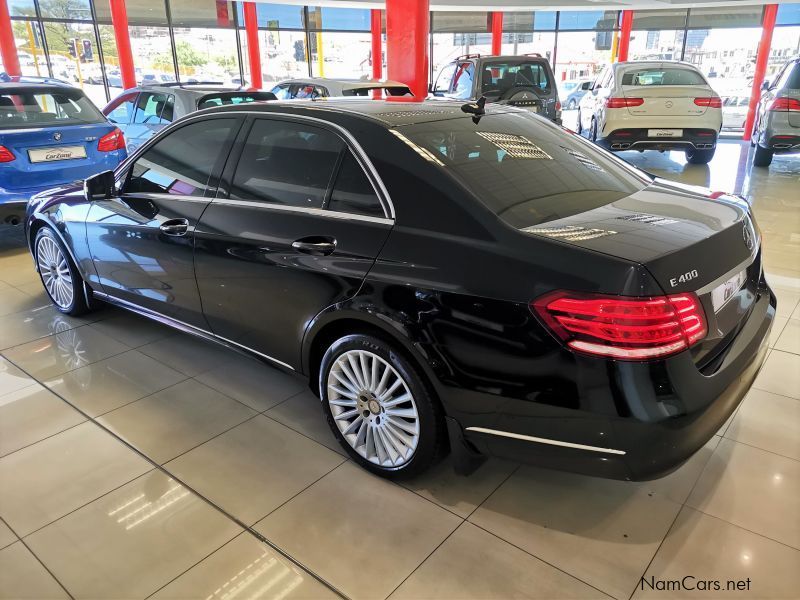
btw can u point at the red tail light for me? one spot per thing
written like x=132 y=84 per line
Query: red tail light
x=711 y=102
x=558 y=105
x=623 y=102
x=111 y=141
x=621 y=327
x=6 y=155
x=785 y=104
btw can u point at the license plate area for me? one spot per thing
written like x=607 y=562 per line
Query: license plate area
x=665 y=133
x=56 y=153
x=721 y=294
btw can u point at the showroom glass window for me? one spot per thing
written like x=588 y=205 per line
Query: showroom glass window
x=286 y=163
x=182 y=162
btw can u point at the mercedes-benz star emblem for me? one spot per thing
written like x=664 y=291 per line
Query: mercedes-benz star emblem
x=748 y=236
x=57 y=136
x=668 y=103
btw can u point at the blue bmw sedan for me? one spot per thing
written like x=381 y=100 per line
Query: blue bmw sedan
x=50 y=134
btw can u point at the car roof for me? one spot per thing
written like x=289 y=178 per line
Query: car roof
x=384 y=112
x=346 y=83
x=39 y=87
x=620 y=66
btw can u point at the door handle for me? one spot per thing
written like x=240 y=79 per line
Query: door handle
x=315 y=245
x=175 y=227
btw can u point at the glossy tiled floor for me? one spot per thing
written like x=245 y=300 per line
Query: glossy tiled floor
x=136 y=462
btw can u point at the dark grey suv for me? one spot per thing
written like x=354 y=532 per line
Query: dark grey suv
x=524 y=81
x=777 y=128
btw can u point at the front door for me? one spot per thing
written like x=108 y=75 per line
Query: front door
x=142 y=242
x=299 y=230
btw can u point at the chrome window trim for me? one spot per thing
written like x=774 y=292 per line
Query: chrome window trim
x=181 y=325
x=320 y=212
x=539 y=440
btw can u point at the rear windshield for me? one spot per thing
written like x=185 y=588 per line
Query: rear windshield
x=220 y=98
x=499 y=77
x=665 y=76
x=525 y=171
x=385 y=91
x=31 y=107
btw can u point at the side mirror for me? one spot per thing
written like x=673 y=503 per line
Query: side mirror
x=586 y=86
x=765 y=84
x=100 y=186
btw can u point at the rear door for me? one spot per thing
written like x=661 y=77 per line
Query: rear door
x=142 y=242
x=296 y=229
x=665 y=91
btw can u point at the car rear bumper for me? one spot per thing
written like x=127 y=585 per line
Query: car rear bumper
x=639 y=139
x=647 y=418
x=782 y=142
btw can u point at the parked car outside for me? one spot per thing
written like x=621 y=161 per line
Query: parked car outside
x=144 y=111
x=50 y=135
x=653 y=105
x=734 y=111
x=444 y=277
x=523 y=81
x=322 y=87
x=573 y=91
x=777 y=126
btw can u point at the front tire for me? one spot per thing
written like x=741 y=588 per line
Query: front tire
x=58 y=273
x=762 y=157
x=379 y=408
x=700 y=157
x=572 y=104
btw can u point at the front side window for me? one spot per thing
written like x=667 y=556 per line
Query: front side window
x=525 y=172
x=445 y=78
x=662 y=76
x=353 y=193
x=182 y=162
x=150 y=108
x=286 y=163
x=121 y=110
x=31 y=107
x=462 y=84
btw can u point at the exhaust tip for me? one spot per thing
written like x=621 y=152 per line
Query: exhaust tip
x=13 y=220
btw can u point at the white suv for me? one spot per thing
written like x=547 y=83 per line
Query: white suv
x=659 y=105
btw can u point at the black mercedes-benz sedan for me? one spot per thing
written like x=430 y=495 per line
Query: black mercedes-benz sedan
x=446 y=276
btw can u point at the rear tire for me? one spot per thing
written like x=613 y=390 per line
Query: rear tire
x=379 y=408
x=60 y=277
x=593 y=130
x=572 y=104
x=579 y=128
x=700 y=157
x=762 y=157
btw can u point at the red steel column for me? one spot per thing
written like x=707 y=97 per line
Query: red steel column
x=625 y=35
x=407 y=28
x=8 y=47
x=119 y=19
x=253 y=51
x=377 y=46
x=497 y=33
x=762 y=59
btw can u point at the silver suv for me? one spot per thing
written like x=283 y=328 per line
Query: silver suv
x=777 y=128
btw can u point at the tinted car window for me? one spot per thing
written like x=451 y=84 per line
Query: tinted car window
x=286 y=163
x=32 y=107
x=659 y=76
x=353 y=192
x=791 y=77
x=523 y=171
x=149 y=109
x=225 y=98
x=182 y=162
x=121 y=110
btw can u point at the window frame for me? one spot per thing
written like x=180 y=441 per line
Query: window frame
x=350 y=144
x=215 y=181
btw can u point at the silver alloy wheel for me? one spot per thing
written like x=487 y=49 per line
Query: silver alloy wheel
x=54 y=270
x=373 y=408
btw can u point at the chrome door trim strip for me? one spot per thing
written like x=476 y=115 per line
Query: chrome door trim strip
x=538 y=440
x=320 y=212
x=182 y=326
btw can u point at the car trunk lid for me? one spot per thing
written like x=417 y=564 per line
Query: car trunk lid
x=667 y=100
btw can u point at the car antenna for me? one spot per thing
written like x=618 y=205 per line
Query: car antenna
x=476 y=109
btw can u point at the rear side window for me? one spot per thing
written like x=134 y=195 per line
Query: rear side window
x=353 y=193
x=226 y=98
x=524 y=171
x=444 y=79
x=666 y=76
x=31 y=107
x=121 y=110
x=286 y=163
x=150 y=109
x=182 y=162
